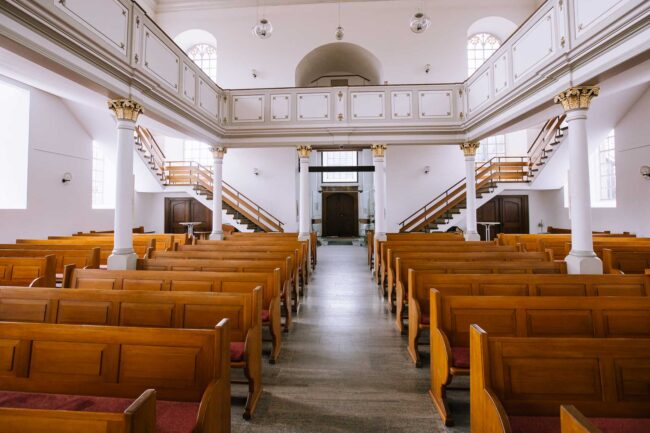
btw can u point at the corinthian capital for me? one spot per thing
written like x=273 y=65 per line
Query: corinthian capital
x=378 y=149
x=304 y=151
x=219 y=151
x=470 y=148
x=125 y=109
x=576 y=98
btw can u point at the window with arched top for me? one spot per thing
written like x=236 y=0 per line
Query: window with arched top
x=205 y=56
x=479 y=48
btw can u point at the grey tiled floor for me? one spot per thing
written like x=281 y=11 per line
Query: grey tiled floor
x=344 y=366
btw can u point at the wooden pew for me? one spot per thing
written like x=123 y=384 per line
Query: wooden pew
x=163 y=241
x=141 y=247
x=313 y=240
x=420 y=283
x=629 y=260
x=188 y=368
x=190 y=281
x=224 y=265
x=521 y=316
x=86 y=258
x=139 y=229
x=438 y=246
x=370 y=243
x=28 y=271
x=560 y=248
x=154 y=310
x=420 y=261
x=530 y=242
x=556 y=230
x=517 y=384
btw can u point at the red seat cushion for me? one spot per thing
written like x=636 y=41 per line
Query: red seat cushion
x=236 y=351
x=171 y=416
x=460 y=357
x=424 y=319
x=266 y=315
x=547 y=424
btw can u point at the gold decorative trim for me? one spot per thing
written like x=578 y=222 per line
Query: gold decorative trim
x=378 y=149
x=576 y=98
x=304 y=150
x=125 y=109
x=470 y=148
x=219 y=151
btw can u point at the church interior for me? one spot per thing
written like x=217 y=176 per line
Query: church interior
x=325 y=216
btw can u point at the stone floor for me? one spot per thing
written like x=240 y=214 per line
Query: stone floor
x=344 y=367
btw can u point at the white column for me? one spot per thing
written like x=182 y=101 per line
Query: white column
x=304 y=209
x=469 y=149
x=581 y=259
x=379 y=181
x=126 y=112
x=217 y=193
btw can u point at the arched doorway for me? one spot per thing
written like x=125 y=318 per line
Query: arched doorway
x=339 y=60
x=340 y=214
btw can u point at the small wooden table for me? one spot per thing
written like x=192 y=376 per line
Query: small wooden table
x=190 y=226
x=488 y=226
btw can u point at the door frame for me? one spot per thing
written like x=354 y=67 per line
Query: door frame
x=355 y=201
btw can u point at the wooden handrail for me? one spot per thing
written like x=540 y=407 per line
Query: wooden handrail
x=494 y=170
x=547 y=134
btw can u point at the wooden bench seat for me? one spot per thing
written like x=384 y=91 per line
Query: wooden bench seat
x=573 y=421
x=189 y=281
x=521 y=316
x=420 y=283
x=517 y=383
x=151 y=309
x=211 y=265
x=560 y=248
x=86 y=258
x=28 y=271
x=105 y=246
x=372 y=243
x=313 y=240
x=627 y=260
x=163 y=241
x=188 y=368
x=531 y=242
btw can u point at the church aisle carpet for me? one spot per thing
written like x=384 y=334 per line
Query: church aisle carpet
x=344 y=367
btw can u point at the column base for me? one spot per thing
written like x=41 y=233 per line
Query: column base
x=216 y=236
x=381 y=236
x=472 y=236
x=122 y=262
x=304 y=236
x=583 y=262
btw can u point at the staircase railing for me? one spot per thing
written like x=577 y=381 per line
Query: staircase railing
x=547 y=138
x=148 y=145
x=189 y=173
x=496 y=170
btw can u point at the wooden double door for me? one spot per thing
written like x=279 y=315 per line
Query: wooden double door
x=186 y=209
x=341 y=214
x=511 y=211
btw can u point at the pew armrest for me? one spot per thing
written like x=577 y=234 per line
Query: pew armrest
x=141 y=414
x=572 y=421
x=38 y=282
x=68 y=270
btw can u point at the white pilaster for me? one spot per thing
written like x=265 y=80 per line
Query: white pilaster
x=217 y=193
x=379 y=180
x=304 y=209
x=581 y=259
x=469 y=149
x=126 y=112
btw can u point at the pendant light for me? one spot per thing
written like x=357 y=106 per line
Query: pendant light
x=420 y=22
x=263 y=28
x=339 y=30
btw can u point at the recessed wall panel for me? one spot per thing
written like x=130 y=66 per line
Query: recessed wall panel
x=160 y=61
x=248 y=108
x=368 y=105
x=402 y=105
x=314 y=106
x=533 y=47
x=434 y=103
x=280 y=108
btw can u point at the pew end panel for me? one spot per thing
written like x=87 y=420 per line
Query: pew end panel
x=572 y=421
x=440 y=354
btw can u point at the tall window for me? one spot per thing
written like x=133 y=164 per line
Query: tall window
x=491 y=147
x=99 y=171
x=197 y=152
x=340 y=158
x=607 y=164
x=479 y=48
x=205 y=56
x=14 y=146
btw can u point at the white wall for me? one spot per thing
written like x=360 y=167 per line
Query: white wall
x=58 y=143
x=382 y=27
x=407 y=186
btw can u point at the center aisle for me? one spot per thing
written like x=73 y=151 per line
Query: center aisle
x=344 y=366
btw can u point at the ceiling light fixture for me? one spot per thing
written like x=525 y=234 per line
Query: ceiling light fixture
x=339 y=30
x=263 y=28
x=420 y=22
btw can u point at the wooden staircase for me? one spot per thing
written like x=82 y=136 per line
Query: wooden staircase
x=489 y=175
x=188 y=173
x=546 y=142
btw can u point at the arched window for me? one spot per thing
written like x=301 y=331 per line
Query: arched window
x=205 y=56
x=479 y=48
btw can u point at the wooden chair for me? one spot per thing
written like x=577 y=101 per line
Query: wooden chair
x=420 y=283
x=48 y=366
x=154 y=310
x=627 y=260
x=226 y=282
x=520 y=316
x=28 y=271
x=517 y=384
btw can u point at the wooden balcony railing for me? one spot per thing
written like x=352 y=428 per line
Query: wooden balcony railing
x=497 y=170
x=188 y=173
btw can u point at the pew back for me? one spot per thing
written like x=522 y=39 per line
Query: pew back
x=28 y=271
x=627 y=261
x=81 y=258
x=105 y=246
x=163 y=241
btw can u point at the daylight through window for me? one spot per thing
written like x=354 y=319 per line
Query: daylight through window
x=342 y=158
x=479 y=48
